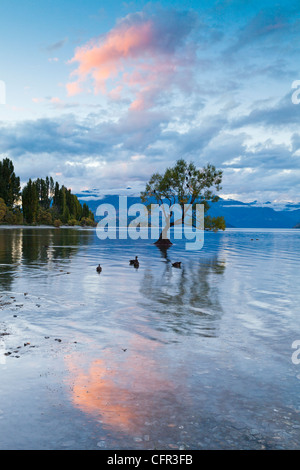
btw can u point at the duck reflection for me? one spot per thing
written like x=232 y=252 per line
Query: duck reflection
x=186 y=299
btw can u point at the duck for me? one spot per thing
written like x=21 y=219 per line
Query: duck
x=177 y=264
x=99 y=269
x=133 y=261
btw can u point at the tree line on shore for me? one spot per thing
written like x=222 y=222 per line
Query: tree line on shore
x=40 y=202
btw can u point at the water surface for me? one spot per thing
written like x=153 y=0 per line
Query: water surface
x=148 y=358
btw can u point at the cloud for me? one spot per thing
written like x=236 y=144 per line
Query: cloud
x=97 y=152
x=171 y=84
x=46 y=136
x=143 y=55
x=54 y=102
x=267 y=27
x=38 y=100
x=57 y=45
x=282 y=113
x=71 y=143
x=73 y=88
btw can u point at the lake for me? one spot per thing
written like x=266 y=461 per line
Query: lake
x=149 y=358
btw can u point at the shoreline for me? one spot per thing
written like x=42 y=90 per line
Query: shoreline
x=45 y=226
x=77 y=227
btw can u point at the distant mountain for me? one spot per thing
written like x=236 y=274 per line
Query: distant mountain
x=236 y=213
x=251 y=215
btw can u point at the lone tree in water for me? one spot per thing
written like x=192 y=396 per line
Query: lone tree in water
x=187 y=186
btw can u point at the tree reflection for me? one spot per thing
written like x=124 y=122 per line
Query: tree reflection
x=35 y=248
x=164 y=251
x=10 y=256
x=186 y=298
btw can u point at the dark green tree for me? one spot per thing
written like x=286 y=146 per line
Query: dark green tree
x=3 y=210
x=30 y=202
x=9 y=183
x=85 y=210
x=56 y=197
x=43 y=193
x=43 y=201
x=78 y=209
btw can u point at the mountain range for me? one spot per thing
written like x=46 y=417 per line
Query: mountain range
x=237 y=214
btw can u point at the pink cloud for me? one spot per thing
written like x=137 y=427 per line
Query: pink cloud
x=38 y=100
x=142 y=56
x=73 y=88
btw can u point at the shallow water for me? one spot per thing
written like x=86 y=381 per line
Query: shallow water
x=154 y=358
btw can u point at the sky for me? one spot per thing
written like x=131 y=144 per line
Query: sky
x=100 y=95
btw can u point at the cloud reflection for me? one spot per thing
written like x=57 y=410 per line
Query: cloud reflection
x=126 y=390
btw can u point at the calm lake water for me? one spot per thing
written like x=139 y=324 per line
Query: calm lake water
x=150 y=358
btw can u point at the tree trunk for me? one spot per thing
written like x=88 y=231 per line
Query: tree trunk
x=163 y=240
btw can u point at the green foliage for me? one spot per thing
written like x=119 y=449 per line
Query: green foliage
x=3 y=210
x=30 y=202
x=18 y=216
x=85 y=210
x=44 y=217
x=9 y=183
x=10 y=216
x=73 y=222
x=45 y=191
x=57 y=223
x=184 y=184
x=43 y=201
x=87 y=221
x=67 y=208
x=214 y=223
x=13 y=217
x=66 y=205
x=56 y=197
x=65 y=215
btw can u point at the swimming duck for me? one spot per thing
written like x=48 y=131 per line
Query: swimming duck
x=177 y=264
x=99 y=269
x=133 y=261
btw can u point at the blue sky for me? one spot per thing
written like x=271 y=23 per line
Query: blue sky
x=103 y=94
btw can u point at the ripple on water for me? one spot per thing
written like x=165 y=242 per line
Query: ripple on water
x=203 y=350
